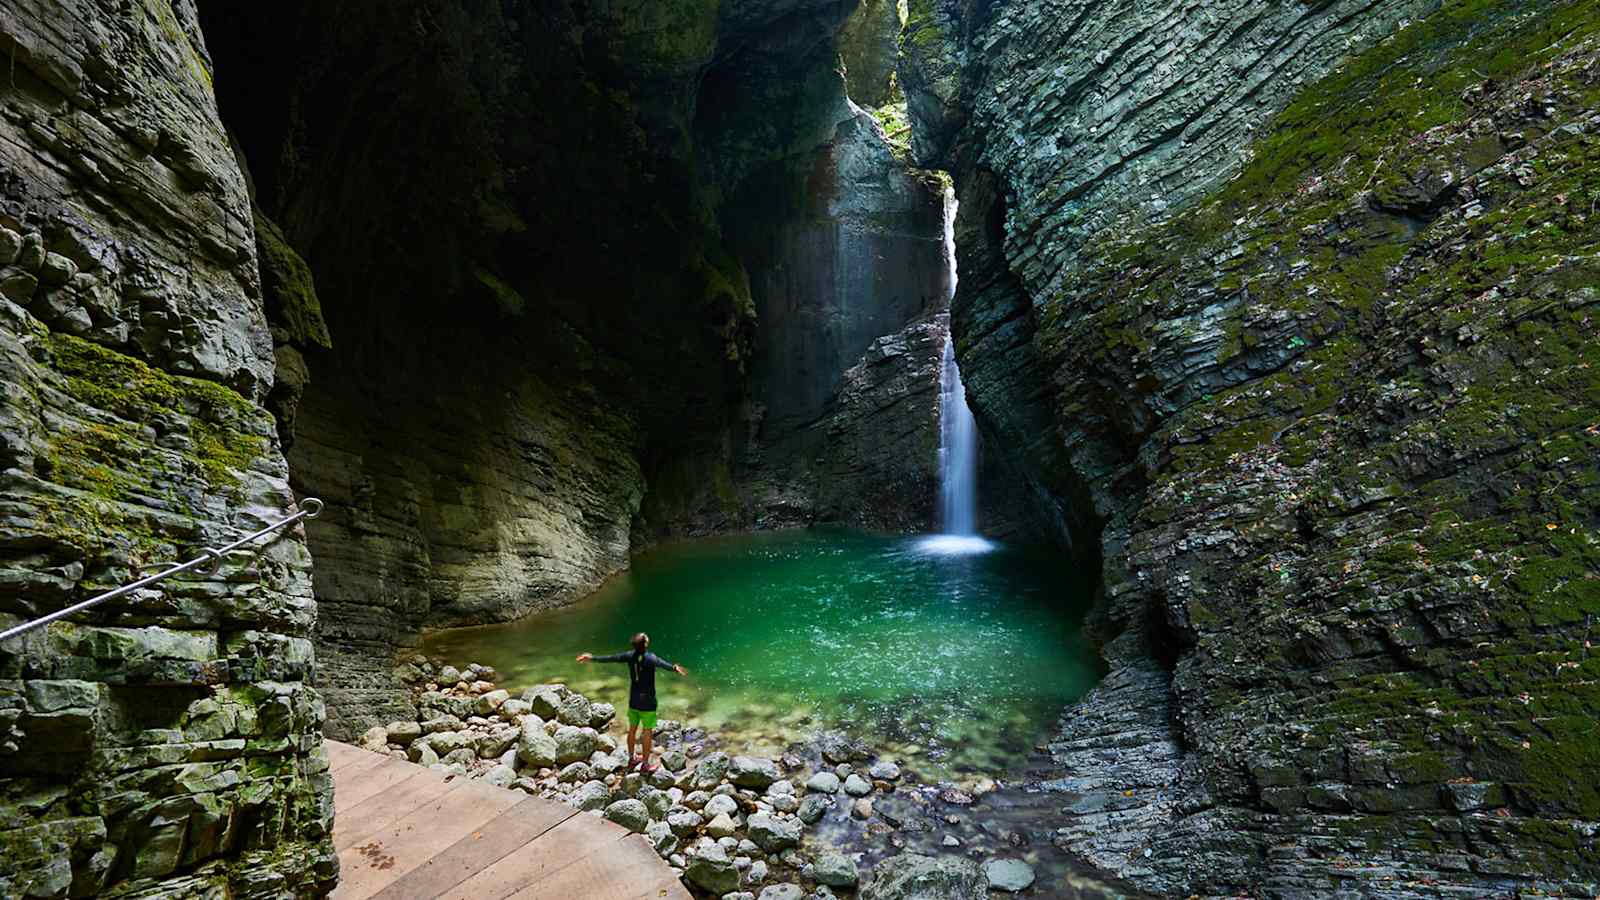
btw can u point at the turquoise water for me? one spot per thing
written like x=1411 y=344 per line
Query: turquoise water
x=952 y=663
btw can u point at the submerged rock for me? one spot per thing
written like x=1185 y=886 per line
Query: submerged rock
x=835 y=870
x=771 y=833
x=1010 y=875
x=823 y=782
x=911 y=876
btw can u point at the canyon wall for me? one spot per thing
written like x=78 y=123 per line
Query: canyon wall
x=167 y=742
x=1289 y=310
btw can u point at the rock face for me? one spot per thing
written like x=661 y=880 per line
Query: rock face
x=167 y=743
x=1329 y=425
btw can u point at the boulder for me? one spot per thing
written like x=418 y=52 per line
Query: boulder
x=752 y=771
x=496 y=742
x=1009 y=875
x=449 y=675
x=630 y=814
x=814 y=807
x=423 y=755
x=501 y=776
x=835 y=870
x=375 y=739
x=710 y=868
x=662 y=837
x=709 y=773
x=574 y=744
x=823 y=783
x=487 y=703
x=535 y=746
x=403 y=733
x=771 y=833
x=673 y=760
x=544 y=700
x=574 y=709
x=591 y=795
x=600 y=715
x=513 y=708
x=655 y=800
x=722 y=825
x=911 y=876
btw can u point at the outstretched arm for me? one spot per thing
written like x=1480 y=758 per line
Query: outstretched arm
x=660 y=663
x=615 y=657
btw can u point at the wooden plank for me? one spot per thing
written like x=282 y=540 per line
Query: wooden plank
x=340 y=752
x=350 y=791
x=557 y=848
x=501 y=841
x=376 y=813
x=382 y=858
x=362 y=761
x=627 y=867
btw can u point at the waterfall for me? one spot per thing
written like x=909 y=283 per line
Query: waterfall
x=958 y=434
x=958 y=450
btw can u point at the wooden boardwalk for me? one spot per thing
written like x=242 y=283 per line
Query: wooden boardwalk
x=404 y=832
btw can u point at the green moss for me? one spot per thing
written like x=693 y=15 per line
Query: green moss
x=224 y=427
x=291 y=291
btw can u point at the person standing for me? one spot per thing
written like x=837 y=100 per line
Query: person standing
x=642 y=666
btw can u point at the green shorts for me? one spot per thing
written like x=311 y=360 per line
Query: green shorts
x=640 y=717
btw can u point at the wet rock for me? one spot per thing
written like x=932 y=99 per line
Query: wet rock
x=10 y=246
x=709 y=867
x=955 y=796
x=771 y=833
x=57 y=270
x=835 y=870
x=861 y=808
x=630 y=814
x=823 y=782
x=813 y=807
x=884 y=770
x=911 y=876
x=856 y=786
x=838 y=747
x=1010 y=875
x=752 y=771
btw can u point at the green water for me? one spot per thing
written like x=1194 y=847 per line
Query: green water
x=952 y=663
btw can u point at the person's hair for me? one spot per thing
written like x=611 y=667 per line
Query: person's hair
x=641 y=641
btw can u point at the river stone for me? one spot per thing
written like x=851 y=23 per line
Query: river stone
x=453 y=770
x=696 y=799
x=496 y=742
x=710 y=868
x=493 y=700
x=655 y=800
x=911 y=876
x=424 y=754
x=630 y=814
x=1009 y=875
x=752 y=771
x=835 y=870
x=600 y=715
x=591 y=795
x=544 y=699
x=684 y=821
x=441 y=723
x=662 y=838
x=514 y=707
x=824 y=783
x=501 y=776
x=403 y=733
x=721 y=803
x=574 y=744
x=674 y=760
x=535 y=746
x=856 y=786
x=709 y=773
x=884 y=770
x=721 y=826
x=814 y=807
x=660 y=779
x=771 y=833
x=446 y=742
x=449 y=675
x=375 y=739
x=576 y=773
x=462 y=756
x=783 y=891
x=574 y=709
x=787 y=803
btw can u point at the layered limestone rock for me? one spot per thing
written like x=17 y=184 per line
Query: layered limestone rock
x=167 y=742
x=1331 y=422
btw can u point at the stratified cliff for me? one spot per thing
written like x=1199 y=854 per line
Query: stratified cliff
x=166 y=743
x=1290 y=309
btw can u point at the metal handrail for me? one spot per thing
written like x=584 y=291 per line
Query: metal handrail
x=310 y=508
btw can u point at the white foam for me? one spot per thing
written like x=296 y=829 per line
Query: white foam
x=955 y=545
